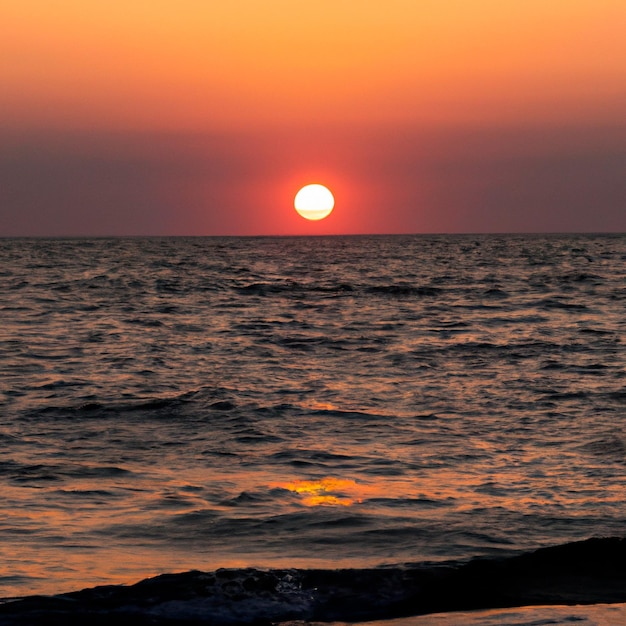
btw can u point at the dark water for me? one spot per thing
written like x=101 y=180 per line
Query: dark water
x=177 y=404
x=562 y=577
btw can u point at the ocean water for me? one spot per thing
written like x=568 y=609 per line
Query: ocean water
x=169 y=404
x=594 y=615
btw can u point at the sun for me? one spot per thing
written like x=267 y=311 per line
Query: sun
x=314 y=202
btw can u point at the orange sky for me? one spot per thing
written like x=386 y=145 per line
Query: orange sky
x=245 y=63
x=307 y=72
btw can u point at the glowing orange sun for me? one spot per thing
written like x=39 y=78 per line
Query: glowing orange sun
x=314 y=202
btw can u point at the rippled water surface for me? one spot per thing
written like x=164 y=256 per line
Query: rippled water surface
x=169 y=404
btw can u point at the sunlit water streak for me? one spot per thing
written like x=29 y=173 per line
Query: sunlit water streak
x=170 y=404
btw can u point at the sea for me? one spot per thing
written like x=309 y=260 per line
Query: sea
x=360 y=404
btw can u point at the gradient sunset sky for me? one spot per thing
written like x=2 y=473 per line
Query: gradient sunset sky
x=199 y=117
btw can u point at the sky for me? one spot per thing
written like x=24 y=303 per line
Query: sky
x=197 y=117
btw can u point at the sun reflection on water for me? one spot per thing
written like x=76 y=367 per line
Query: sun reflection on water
x=329 y=491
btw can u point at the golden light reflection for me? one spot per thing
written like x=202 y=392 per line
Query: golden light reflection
x=328 y=491
x=315 y=405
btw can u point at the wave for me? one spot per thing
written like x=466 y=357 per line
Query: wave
x=585 y=572
x=212 y=398
x=280 y=287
